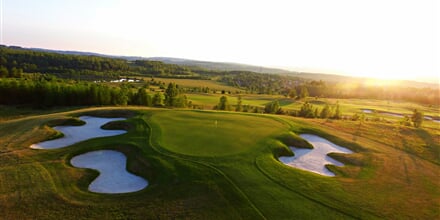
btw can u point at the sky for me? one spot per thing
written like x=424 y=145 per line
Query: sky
x=386 y=39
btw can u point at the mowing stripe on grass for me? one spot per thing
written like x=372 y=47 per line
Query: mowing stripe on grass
x=206 y=165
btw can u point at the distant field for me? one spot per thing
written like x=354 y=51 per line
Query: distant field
x=212 y=85
x=348 y=106
x=356 y=105
x=210 y=100
x=199 y=169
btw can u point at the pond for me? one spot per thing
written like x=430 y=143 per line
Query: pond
x=314 y=160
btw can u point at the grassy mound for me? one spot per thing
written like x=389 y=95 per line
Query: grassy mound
x=65 y=121
x=292 y=139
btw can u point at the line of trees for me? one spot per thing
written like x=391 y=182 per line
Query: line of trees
x=44 y=93
x=48 y=92
x=309 y=111
x=44 y=62
x=149 y=67
x=16 y=61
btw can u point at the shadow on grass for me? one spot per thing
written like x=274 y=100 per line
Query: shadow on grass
x=432 y=145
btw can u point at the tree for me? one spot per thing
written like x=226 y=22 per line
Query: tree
x=143 y=98
x=272 y=107
x=182 y=101
x=292 y=93
x=171 y=94
x=406 y=121
x=119 y=96
x=304 y=92
x=239 y=106
x=3 y=72
x=325 y=112
x=306 y=110
x=417 y=118
x=157 y=99
x=223 y=104
x=337 y=114
x=316 y=114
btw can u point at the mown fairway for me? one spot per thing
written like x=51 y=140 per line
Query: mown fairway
x=201 y=169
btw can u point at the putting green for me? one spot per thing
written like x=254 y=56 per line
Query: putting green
x=212 y=133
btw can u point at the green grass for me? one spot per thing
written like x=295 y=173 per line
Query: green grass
x=211 y=100
x=197 y=170
x=351 y=106
x=14 y=112
x=212 y=134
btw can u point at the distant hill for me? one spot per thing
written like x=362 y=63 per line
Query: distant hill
x=227 y=66
x=80 y=53
x=216 y=66
x=129 y=58
x=219 y=66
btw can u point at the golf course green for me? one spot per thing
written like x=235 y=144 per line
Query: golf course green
x=220 y=165
x=213 y=134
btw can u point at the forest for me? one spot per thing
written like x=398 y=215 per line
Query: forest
x=44 y=91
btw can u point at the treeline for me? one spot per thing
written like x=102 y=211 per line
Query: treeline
x=260 y=83
x=327 y=112
x=157 y=68
x=49 y=92
x=291 y=86
x=16 y=61
x=42 y=93
x=307 y=109
x=30 y=61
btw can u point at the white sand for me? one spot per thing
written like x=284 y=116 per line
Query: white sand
x=368 y=111
x=75 y=134
x=315 y=159
x=113 y=177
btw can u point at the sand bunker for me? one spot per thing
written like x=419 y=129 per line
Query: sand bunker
x=315 y=159
x=75 y=134
x=113 y=177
